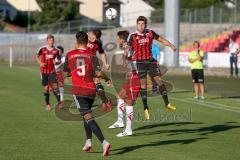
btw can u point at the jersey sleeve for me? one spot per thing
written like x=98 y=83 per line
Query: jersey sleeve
x=155 y=35
x=39 y=52
x=100 y=47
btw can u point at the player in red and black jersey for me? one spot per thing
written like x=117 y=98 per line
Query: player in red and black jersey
x=95 y=45
x=141 y=44
x=45 y=57
x=79 y=65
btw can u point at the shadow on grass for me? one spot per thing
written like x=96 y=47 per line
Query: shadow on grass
x=226 y=97
x=127 y=149
x=200 y=131
x=167 y=124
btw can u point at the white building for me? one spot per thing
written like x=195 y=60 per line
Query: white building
x=131 y=9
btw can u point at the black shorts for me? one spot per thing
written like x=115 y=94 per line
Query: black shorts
x=48 y=78
x=148 y=67
x=198 y=76
x=84 y=103
x=96 y=63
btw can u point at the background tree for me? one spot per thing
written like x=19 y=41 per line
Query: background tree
x=71 y=11
x=51 y=11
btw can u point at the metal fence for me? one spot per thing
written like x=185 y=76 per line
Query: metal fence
x=194 y=24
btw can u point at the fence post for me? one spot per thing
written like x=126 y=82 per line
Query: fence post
x=11 y=55
x=211 y=14
x=69 y=26
x=220 y=15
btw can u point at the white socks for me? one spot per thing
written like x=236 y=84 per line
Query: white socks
x=89 y=142
x=129 y=118
x=120 y=109
x=61 y=90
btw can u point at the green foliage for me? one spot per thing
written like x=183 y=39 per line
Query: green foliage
x=71 y=11
x=1 y=26
x=51 y=12
x=54 y=11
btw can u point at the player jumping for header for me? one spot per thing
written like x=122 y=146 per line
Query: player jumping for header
x=140 y=42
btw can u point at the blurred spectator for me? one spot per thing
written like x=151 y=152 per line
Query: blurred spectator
x=233 y=50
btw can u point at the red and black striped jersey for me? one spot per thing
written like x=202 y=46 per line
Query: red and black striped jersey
x=47 y=57
x=95 y=47
x=141 y=44
x=79 y=63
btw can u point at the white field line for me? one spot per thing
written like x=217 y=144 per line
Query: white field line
x=204 y=104
x=217 y=104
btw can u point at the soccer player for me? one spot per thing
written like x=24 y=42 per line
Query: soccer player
x=80 y=66
x=95 y=46
x=234 y=51
x=140 y=43
x=196 y=59
x=59 y=71
x=45 y=57
x=129 y=93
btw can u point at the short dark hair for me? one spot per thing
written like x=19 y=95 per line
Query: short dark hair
x=142 y=18
x=82 y=37
x=97 y=33
x=196 y=42
x=50 y=36
x=123 y=34
x=60 y=48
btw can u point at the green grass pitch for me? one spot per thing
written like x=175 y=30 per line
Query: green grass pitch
x=198 y=130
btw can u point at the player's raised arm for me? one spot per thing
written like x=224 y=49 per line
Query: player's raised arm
x=105 y=60
x=103 y=56
x=165 y=42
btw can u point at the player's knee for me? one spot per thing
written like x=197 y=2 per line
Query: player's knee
x=158 y=80
x=60 y=84
x=46 y=89
x=98 y=73
x=129 y=102
x=87 y=116
x=96 y=80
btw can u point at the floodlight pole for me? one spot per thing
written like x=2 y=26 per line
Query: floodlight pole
x=171 y=29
